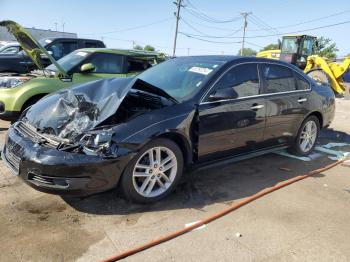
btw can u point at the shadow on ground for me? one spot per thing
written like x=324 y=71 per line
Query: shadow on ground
x=226 y=183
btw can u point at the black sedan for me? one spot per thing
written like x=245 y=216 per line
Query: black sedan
x=143 y=132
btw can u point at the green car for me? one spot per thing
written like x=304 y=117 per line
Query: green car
x=17 y=92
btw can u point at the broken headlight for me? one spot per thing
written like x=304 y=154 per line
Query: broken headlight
x=11 y=82
x=97 y=142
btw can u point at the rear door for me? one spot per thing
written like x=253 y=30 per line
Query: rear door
x=233 y=125
x=287 y=102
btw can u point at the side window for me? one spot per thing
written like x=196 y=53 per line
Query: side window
x=60 y=49
x=91 y=44
x=240 y=81
x=107 y=63
x=278 y=78
x=303 y=84
x=137 y=65
x=307 y=47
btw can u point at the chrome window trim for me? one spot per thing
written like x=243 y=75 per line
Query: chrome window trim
x=260 y=95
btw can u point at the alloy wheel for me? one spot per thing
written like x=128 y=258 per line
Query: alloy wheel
x=308 y=136
x=154 y=172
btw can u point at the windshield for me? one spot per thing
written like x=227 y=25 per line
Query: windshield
x=180 y=78
x=69 y=61
x=290 y=45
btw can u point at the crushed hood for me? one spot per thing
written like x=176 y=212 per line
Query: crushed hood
x=31 y=46
x=70 y=112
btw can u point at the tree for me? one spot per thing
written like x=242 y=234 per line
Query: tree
x=326 y=48
x=138 y=47
x=247 y=52
x=149 y=48
x=271 y=47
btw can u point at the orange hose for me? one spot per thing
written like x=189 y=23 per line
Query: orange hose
x=224 y=212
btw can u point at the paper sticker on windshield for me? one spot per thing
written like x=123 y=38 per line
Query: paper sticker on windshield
x=200 y=70
x=48 y=41
x=81 y=54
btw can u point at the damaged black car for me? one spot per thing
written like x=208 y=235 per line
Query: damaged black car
x=143 y=132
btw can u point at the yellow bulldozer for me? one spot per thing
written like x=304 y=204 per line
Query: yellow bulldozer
x=300 y=51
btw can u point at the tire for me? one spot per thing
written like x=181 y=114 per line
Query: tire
x=301 y=147
x=145 y=183
x=319 y=76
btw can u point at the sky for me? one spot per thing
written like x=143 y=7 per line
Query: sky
x=121 y=23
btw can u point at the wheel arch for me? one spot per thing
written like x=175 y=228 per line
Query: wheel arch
x=182 y=142
x=318 y=115
x=32 y=99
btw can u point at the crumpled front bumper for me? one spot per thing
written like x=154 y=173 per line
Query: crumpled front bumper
x=58 y=172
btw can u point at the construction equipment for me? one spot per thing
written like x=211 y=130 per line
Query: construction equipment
x=271 y=54
x=300 y=50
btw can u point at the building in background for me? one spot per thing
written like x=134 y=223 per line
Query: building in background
x=36 y=33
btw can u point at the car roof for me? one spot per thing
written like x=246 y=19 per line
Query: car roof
x=128 y=52
x=228 y=59
x=64 y=38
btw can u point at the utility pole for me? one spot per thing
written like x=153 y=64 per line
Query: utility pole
x=56 y=26
x=245 y=15
x=178 y=4
x=188 y=51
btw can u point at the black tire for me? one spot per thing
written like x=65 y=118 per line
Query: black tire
x=319 y=76
x=296 y=148
x=127 y=185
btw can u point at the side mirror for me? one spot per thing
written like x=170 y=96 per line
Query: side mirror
x=279 y=44
x=222 y=94
x=87 y=67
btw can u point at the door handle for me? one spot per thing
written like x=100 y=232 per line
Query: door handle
x=300 y=100
x=256 y=107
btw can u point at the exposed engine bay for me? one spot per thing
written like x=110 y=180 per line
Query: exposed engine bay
x=70 y=117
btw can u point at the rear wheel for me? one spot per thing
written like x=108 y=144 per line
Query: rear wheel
x=154 y=172
x=305 y=141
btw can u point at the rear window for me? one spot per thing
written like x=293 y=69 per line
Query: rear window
x=303 y=84
x=92 y=44
x=278 y=78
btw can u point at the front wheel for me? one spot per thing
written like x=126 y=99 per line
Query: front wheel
x=154 y=172
x=305 y=141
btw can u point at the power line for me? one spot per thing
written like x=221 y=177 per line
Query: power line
x=132 y=28
x=293 y=32
x=209 y=41
x=249 y=43
x=208 y=36
x=207 y=26
x=203 y=16
x=260 y=23
x=307 y=21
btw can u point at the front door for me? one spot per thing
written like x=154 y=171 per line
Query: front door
x=106 y=65
x=233 y=124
